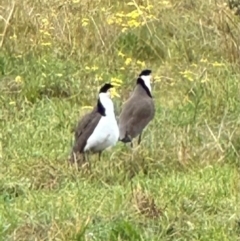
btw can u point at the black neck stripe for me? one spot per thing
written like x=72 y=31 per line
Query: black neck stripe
x=101 y=108
x=141 y=82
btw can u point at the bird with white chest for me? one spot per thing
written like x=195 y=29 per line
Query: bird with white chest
x=138 y=110
x=98 y=129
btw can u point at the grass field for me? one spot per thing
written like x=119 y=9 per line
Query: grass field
x=182 y=182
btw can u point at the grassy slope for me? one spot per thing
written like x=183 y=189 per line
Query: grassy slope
x=182 y=183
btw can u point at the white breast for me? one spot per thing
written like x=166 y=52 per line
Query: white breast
x=106 y=133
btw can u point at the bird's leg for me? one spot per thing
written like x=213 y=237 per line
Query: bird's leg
x=131 y=144
x=140 y=138
x=99 y=156
x=89 y=163
x=129 y=139
x=86 y=159
x=128 y=144
x=72 y=158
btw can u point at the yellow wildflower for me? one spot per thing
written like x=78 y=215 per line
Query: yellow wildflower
x=124 y=30
x=18 y=79
x=110 y=20
x=217 y=64
x=133 y=23
x=94 y=68
x=128 y=61
x=85 y=22
x=97 y=77
x=116 y=81
x=121 y=14
x=187 y=74
x=203 y=60
x=134 y=14
x=120 y=54
x=114 y=93
x=141 y=63
x=46 y=44
x=87 y=107
x=130 y=4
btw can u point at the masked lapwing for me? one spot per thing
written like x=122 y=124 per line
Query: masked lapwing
x=138 y=110
x=98 y=129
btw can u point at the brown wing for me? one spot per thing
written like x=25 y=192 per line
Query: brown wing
x=83 y=123
x=84 y=130
x=135 y=116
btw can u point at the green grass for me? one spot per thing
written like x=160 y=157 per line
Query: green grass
x=181 y=183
